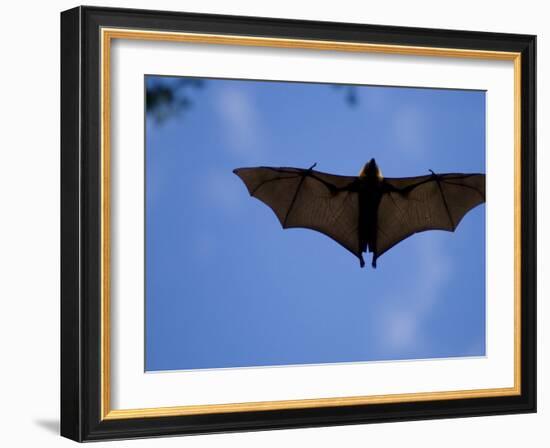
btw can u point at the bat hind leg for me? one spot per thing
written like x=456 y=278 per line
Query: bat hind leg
x=361 y=260
x=374 y=257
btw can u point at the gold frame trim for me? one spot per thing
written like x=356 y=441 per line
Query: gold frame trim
x=107 y=35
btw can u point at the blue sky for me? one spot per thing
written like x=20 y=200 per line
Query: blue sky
x=227 y=287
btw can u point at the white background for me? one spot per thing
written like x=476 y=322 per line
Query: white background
x=29 y=230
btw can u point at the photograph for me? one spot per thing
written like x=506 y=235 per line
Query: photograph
x=270 y=223
x=382 y=190
x=275 y=224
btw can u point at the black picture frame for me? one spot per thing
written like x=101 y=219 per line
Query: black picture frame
x=81 y=382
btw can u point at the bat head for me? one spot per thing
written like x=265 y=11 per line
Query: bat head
x=371 y=170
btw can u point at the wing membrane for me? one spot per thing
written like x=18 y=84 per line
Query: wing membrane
x=308 y=199
x=433 y=202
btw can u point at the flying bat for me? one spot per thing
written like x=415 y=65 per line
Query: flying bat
x=368 y=212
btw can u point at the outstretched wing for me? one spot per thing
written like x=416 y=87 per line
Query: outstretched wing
x=309 y=199
x=434 y=202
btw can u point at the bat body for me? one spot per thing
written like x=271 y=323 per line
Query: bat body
x=365 y=213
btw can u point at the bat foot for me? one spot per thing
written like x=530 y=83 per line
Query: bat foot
x=361 y=261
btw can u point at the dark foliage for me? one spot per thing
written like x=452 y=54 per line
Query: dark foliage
x=170 y=97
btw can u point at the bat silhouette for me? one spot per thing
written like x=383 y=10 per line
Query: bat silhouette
x=366 y=212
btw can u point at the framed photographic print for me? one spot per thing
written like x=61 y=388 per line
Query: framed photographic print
x=401 y=161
